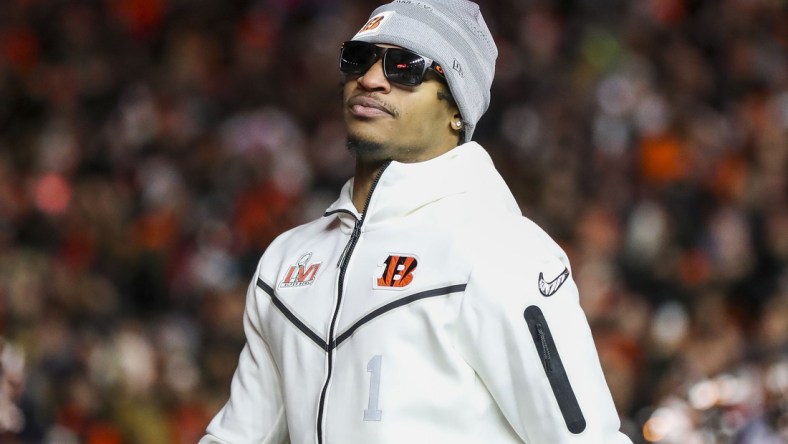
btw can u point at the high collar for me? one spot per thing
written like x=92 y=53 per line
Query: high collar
x=405 y=187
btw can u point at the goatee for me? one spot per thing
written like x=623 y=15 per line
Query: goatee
x=365 y=149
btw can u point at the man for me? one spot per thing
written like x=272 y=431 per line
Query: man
x=422 y=307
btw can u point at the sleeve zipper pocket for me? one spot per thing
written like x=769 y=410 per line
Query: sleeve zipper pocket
x=554 y=369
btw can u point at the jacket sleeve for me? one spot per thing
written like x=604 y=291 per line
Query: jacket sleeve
x=534 y=351
x=255 y=412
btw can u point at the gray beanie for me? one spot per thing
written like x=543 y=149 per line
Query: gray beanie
x=451 y=32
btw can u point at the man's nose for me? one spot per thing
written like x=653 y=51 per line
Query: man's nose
x=374 y=79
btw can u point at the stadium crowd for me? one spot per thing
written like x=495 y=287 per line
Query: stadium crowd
x=151 y=149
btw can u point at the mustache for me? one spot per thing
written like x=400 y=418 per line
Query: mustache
x=372 y=100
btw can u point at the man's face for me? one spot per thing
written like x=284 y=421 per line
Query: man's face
x=391 y=121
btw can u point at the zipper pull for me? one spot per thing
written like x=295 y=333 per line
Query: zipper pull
x=353 y=239
x=359 y=221
x=545 y=350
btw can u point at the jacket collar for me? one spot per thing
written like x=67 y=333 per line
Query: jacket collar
x=405 y=187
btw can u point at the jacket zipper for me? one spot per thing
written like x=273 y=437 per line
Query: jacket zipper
x=545 y=349
x=344 y=260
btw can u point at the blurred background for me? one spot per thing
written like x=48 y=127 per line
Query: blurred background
x=151 y=149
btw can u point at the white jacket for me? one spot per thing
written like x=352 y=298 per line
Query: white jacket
x=442 y=315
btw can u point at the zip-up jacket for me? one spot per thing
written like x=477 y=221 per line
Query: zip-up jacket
x=440 y=315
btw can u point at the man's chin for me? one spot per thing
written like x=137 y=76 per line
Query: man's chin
x=366 y=149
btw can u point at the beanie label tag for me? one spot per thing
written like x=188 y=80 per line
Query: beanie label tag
x=457 y=67
x=374 y=24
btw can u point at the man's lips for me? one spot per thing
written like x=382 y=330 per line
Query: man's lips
x=363 y=106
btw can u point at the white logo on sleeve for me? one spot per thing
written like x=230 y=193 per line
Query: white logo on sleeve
x=549 y=288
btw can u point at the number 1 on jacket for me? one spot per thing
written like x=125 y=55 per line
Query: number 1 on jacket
x=372 y=413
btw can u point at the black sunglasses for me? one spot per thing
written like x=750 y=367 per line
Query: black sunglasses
x=399 y=65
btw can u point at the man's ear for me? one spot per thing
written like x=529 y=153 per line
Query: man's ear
x=456 y=122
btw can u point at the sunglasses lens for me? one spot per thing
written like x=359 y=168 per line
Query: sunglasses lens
x=357 y=57
x=404 y=67
x=400 y=65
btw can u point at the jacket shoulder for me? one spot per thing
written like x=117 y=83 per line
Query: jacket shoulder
x=517 y=261
x=515 y=239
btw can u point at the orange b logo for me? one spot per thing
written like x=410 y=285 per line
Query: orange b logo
x=397 y=271
x=373 y=23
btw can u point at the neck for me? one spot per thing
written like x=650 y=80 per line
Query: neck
x=368 y=166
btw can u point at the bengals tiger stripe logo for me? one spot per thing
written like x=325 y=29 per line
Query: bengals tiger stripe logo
x=396 y=271
x=374 y=24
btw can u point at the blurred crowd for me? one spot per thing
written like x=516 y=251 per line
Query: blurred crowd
x=150 y=150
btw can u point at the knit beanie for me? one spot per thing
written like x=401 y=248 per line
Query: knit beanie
x=451 y=32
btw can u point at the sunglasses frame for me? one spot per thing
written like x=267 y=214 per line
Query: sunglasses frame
x=381 y=53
